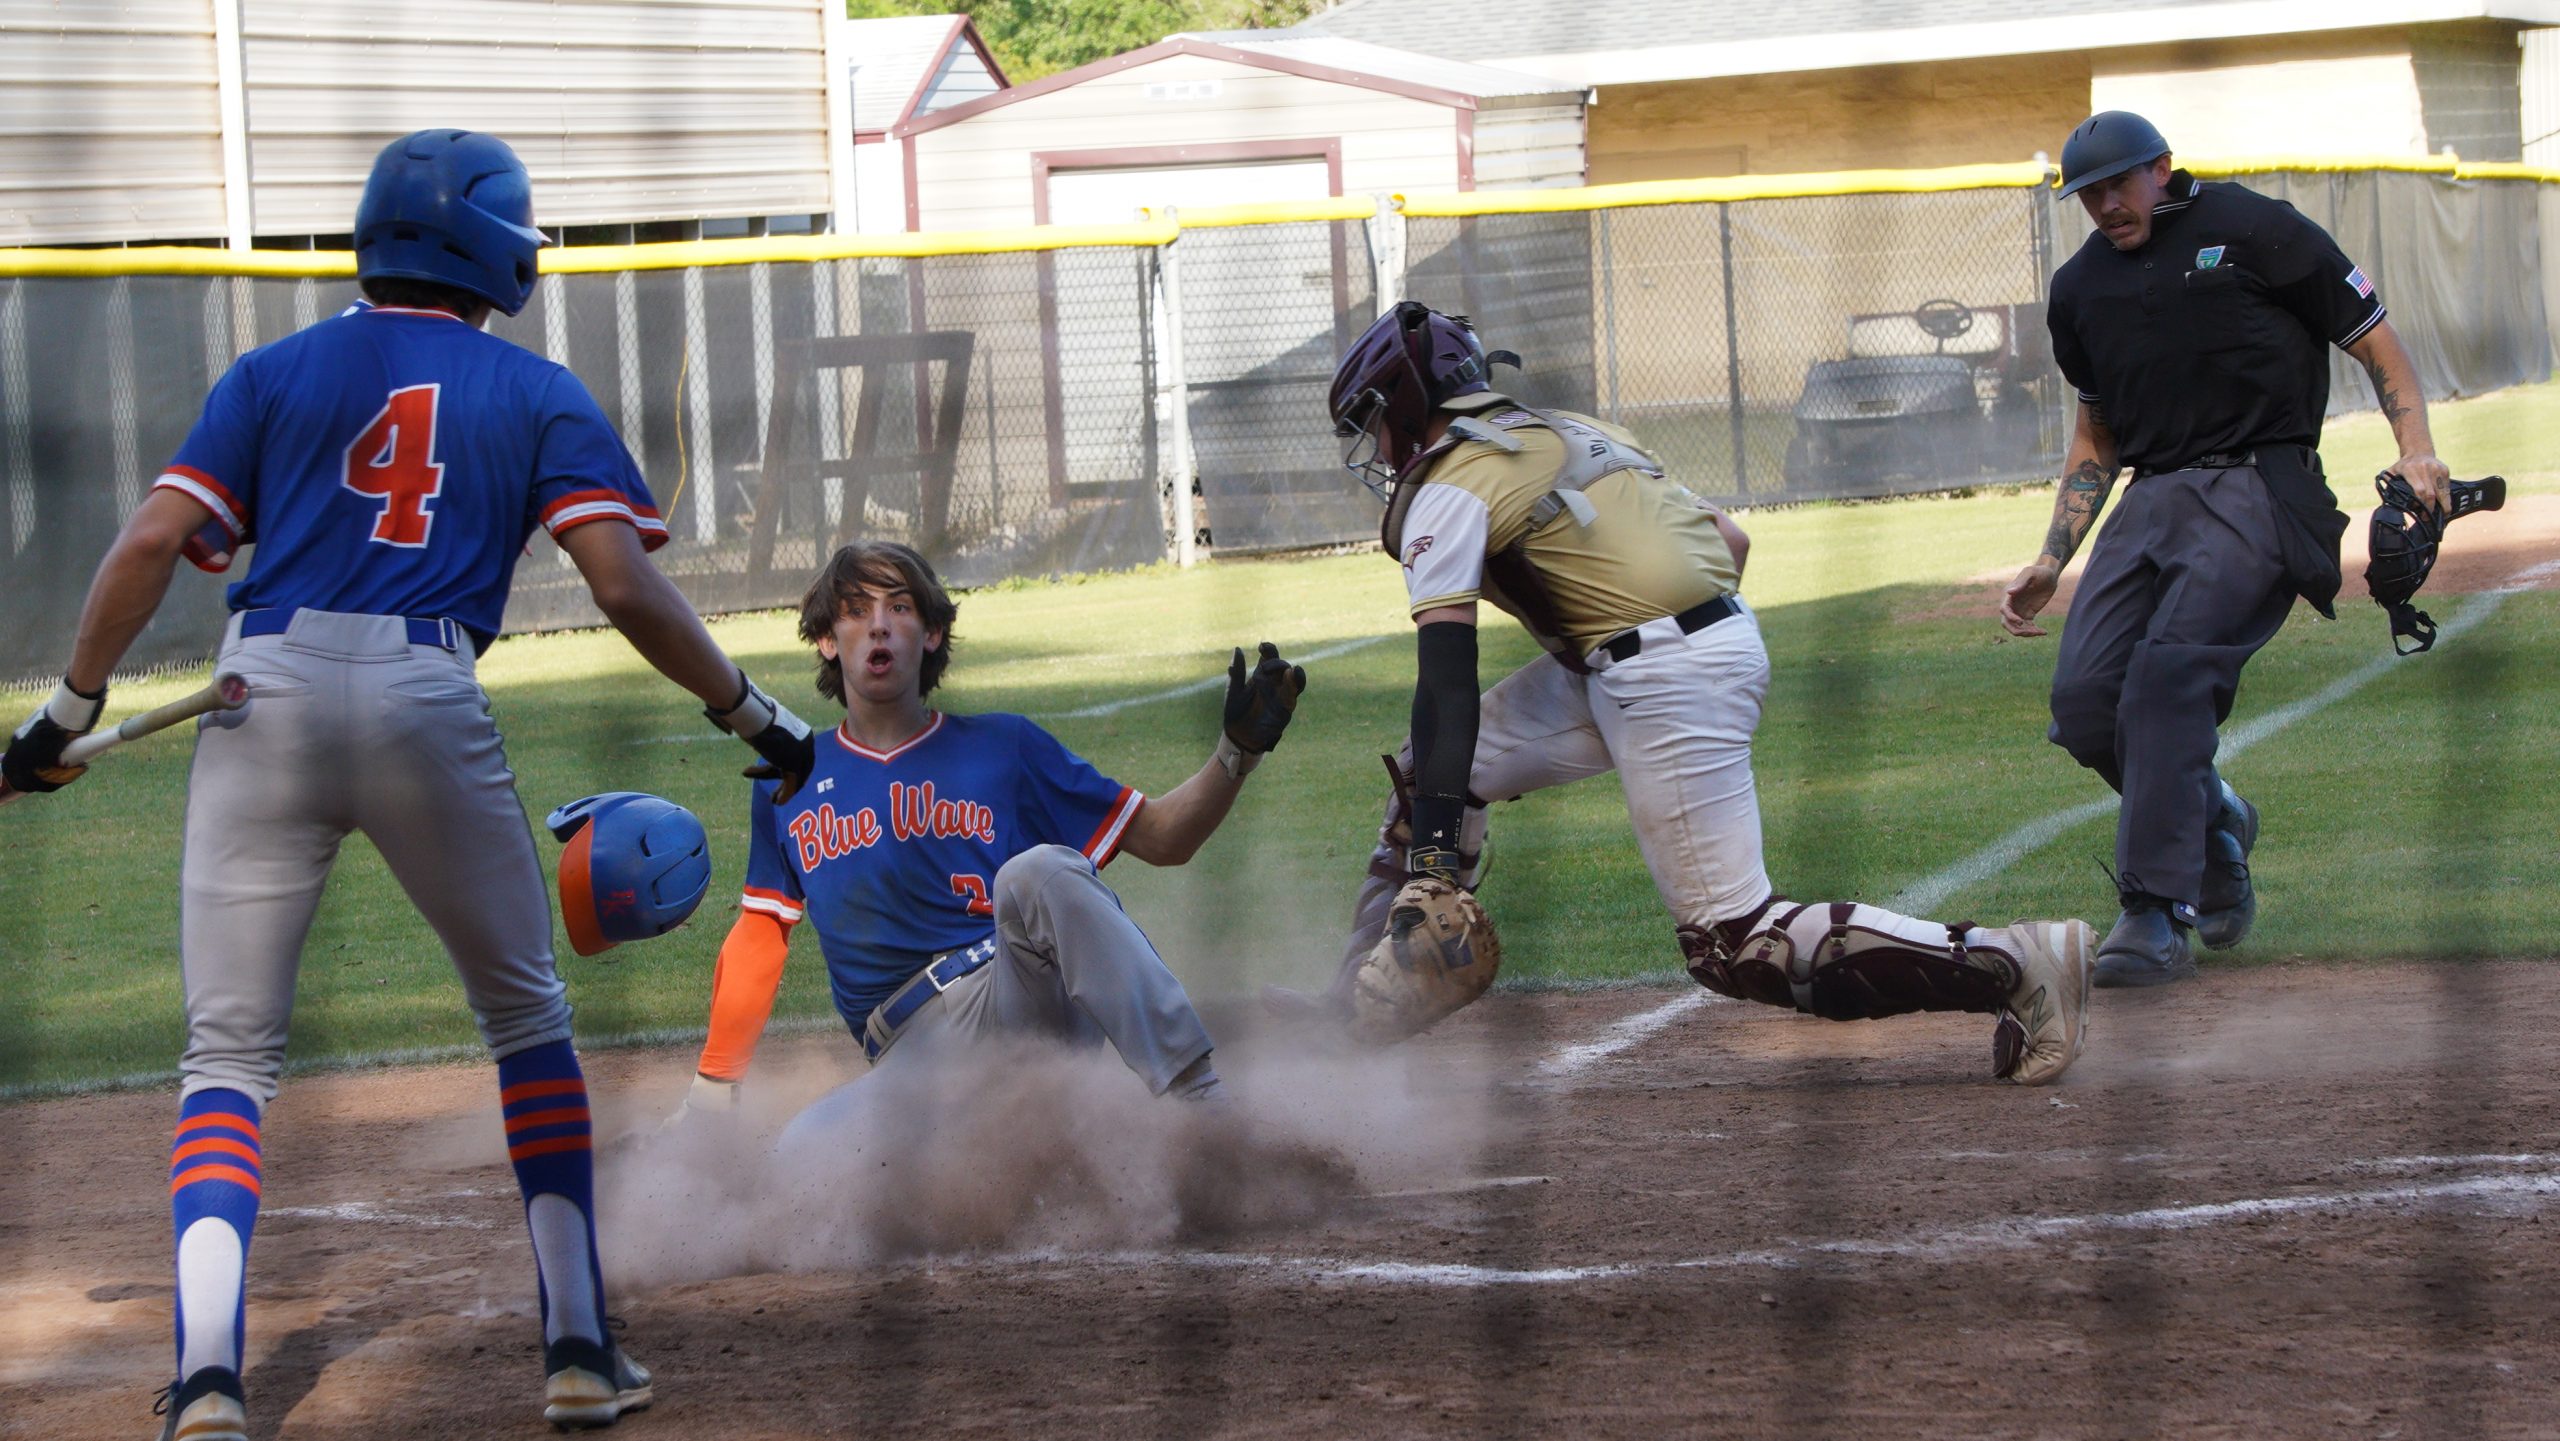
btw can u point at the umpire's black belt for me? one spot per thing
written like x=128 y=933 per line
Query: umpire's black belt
x=2225 y=460
x=436 y=631
x=1627 y=644
x=940 y=974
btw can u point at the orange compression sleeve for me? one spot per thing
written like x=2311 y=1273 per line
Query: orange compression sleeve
x=742 y=990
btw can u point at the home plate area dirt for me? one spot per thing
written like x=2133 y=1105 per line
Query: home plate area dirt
x=2281 y=1201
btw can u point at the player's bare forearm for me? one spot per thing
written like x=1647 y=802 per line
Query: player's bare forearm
x=129 y=584
x=2394 y=374
x=1170 y=829
x=639 y=601
x=2089 y=472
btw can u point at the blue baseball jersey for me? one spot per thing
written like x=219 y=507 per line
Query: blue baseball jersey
x=893 y=854
x=394 y=462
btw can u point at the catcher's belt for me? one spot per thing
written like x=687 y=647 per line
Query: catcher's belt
x=1627 y=644
x=880 y=1029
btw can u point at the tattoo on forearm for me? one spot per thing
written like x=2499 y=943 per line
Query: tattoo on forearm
x=2076 y=508
x=2394 y=408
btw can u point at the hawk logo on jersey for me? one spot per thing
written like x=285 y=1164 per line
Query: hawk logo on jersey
x=394 y=461
x=1417 y=550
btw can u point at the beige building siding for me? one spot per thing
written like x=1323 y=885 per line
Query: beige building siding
x=2469 y=88
x=1529 y=147
x=1953 y=112
x=622 y=109
x=2277 y=95
x=110 y=121
x=974 y=174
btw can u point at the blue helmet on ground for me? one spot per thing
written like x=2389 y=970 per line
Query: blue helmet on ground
x=454 y=207
x=2106 y=145
x=633 y=866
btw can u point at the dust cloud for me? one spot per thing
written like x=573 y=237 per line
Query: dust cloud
x=1026 y=1148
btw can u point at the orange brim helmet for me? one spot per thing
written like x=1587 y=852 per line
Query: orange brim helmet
x=632 y=866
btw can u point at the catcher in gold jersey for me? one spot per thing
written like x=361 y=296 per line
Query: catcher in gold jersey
x=1654 y=669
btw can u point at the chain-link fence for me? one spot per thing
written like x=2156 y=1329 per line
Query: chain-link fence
x=996 y=410
x=1051 y=409
x=1783 y=349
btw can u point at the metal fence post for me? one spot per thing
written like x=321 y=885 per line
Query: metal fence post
x=1387 y=250
x=1609 y=309
x=1186 y=522
x=1732 y=349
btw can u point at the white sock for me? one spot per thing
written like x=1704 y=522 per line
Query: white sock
x=211 y=1262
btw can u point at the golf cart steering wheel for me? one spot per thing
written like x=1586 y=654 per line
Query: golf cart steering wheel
x=1942 y=320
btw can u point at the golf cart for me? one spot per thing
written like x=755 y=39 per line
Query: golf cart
x=1938 y=394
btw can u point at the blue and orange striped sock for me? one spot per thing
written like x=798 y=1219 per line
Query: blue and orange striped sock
x=213 y=1205
x=550 y=1138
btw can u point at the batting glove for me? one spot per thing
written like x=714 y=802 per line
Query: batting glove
x=789 y=748
x=34 y=759
x=1259 y=705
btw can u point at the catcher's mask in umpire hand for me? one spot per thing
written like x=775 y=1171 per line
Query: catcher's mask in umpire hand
x=2402 y=540
x=454 y=207
x=1408 y=363
x=633 y=866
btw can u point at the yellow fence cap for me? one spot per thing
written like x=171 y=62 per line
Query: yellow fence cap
x=2018 y=175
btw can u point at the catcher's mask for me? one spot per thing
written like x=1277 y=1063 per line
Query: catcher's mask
x=1408 y=363
x=2403 y=541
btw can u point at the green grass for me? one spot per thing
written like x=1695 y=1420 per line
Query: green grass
x=1903 y=732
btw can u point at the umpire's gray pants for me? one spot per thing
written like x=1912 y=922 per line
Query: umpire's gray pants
x=1069 y=963
x=2183 y=586
x=350 y=727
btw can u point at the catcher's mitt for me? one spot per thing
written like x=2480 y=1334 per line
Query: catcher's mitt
x=1438 y=954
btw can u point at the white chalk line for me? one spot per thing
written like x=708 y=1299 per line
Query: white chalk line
x=1198 y=687
x=2006 y=1234
x=1622 y=1034
x=1930 y=892
x=373 y=1213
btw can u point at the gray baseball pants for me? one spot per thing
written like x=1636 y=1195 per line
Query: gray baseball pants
x=1069 y=963
x=350 y=727
x=2184 y=584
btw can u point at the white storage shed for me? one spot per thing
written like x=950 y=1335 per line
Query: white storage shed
x=1233 y=117
x=904 y=66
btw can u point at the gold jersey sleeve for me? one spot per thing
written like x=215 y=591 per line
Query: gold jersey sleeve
x=1651 y=549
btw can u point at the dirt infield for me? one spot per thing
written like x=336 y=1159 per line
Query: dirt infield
x=2275 y=1202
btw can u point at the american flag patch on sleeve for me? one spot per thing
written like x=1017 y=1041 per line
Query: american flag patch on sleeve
x=2355 y=277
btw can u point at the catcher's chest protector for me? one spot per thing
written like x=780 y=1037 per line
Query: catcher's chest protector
x=1590 y=454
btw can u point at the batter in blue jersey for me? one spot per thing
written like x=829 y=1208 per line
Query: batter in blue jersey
x=385 y=469
x=951 y=864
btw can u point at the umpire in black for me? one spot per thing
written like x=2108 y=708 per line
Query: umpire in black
x=2195 y=325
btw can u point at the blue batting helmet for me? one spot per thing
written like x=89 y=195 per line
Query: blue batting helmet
x=633 y=866
x=454 y=207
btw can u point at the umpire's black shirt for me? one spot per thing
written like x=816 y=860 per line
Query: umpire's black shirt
x=2213 y=336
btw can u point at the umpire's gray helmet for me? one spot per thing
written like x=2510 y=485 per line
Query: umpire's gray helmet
x=2108 y=144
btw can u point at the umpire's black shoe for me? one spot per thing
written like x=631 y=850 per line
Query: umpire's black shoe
x=2229 y=902
x=2150 y=945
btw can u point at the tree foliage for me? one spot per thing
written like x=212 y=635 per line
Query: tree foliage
x=1032 y=38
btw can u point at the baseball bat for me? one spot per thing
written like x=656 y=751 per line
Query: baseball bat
x=228 y=692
